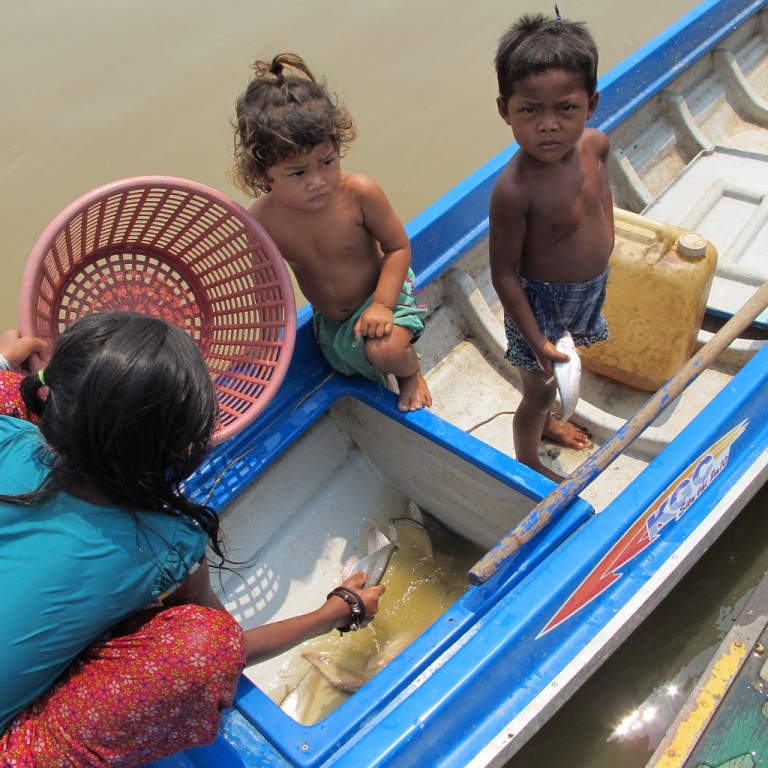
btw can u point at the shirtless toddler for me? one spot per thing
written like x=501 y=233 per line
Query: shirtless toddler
x=551 y=216
x=348 y=250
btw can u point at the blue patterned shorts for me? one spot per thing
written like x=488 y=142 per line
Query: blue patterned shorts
x=559 y=307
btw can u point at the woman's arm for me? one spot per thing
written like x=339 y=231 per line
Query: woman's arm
x=270 y=640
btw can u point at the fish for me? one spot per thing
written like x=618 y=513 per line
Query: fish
x=412 y=535
x=375 y=563
x=567 y=377
x=340 y=673
x=421 y=584
x=312 y=699
x=345 y=675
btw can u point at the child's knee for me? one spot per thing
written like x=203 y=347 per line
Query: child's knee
x=538 y=392
x=393 y=351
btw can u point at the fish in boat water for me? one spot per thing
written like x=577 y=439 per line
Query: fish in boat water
x=374 y=564
x=346 y=676
x=567 y=377
x=421 y=584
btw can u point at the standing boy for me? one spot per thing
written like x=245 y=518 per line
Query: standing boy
x=551 y=216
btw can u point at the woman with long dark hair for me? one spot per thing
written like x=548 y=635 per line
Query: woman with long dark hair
x=115 y=648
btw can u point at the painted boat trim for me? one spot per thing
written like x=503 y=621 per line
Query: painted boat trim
x=667 y=509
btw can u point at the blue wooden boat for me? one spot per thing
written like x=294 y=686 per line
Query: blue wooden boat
x=592 y=557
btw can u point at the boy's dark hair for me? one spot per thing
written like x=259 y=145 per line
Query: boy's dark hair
x=279 y=117
x=130 y=410
x=535 y=44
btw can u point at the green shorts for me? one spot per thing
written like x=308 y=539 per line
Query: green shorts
x=345 y=352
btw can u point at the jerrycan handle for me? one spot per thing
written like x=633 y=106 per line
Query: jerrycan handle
x=662 y=231
x=688 y=245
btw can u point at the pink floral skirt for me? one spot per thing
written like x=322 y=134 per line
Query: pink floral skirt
x=155 y=686
x=11 y=403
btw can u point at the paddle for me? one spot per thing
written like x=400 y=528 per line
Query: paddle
x=582 y=476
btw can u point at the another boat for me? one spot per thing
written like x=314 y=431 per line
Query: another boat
x=297 y=487
x=723 y=720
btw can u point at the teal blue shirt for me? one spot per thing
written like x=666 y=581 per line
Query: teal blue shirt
x=69 y=570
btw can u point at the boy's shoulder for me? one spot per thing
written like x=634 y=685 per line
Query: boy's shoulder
x=510 y=184
x=596 y=140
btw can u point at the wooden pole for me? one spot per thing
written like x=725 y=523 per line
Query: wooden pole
x=557 y=501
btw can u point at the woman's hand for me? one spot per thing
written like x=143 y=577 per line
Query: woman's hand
x=16 y=349
x=369 y=596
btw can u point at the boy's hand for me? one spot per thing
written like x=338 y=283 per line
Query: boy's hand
x=16 y=349
x=375 y=322
x=547 y=354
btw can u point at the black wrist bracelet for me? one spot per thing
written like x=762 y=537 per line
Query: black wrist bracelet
x=356 y=607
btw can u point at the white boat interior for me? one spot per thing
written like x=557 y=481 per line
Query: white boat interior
x=695 y=156
x=297 y=525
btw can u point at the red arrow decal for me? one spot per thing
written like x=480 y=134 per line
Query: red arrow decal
x=668 y=507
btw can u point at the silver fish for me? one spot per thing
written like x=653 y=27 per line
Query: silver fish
x=344 y=675
x=568 y=377
x=374 y=564
x=312 y=699
x=421 y=584
x=339 y=672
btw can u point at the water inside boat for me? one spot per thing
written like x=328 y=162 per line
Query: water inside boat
x=294 y=538
x=426 y=575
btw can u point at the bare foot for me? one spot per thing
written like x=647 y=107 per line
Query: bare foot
x=568 y=434
x=414 y=393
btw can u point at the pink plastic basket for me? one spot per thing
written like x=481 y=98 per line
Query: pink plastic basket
x=178 y=250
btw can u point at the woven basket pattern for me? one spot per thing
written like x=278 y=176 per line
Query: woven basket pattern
x=180 y=251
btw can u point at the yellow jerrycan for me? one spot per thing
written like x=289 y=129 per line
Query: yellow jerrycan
x=657 y=290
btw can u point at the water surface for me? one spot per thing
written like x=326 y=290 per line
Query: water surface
x=95 y=91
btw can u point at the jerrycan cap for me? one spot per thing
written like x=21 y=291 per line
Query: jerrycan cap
x=691 y=245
